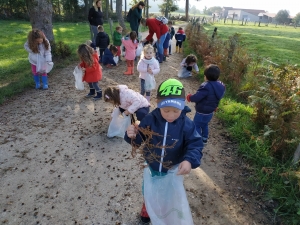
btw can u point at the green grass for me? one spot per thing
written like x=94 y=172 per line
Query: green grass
x=280 y=45
x=15 y=70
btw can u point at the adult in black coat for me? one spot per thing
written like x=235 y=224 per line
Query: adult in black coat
x=95 y=18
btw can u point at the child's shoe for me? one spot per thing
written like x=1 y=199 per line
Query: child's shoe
x=91 y=94
x=145 y=219
x=108 y=66
x=204 y=141
x=98 y=96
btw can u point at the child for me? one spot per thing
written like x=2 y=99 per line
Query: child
x=180 y=37
x=187 y=66
x=166 y=45
x=147 y=65
x=102 y=41
x=117 y=40
x=170 y=122
x=91 y=44
x=38 y=45
x=207 y=99
x=130 y=46
x=108 y=57
x=91 y=69
x=127 y=100
x=172 y=33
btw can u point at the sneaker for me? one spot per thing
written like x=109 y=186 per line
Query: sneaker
x=204 y=142
x=145 y=220
x=89 y=95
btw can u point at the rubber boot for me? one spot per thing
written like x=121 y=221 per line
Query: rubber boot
x=91 y=94
x=144 y=215
x=45 y=82
x=177 y=49
x=166 y=52
x=180 y=50
x=132 y=68
x=98 y=96
x=36 y=79
x=129 y=71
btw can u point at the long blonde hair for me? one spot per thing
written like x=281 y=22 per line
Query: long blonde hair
x=95 y=5
x=85 y=53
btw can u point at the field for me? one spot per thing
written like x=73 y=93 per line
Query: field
x=279 y=44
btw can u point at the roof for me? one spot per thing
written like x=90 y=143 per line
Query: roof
x=251 y=11
x=271 y=15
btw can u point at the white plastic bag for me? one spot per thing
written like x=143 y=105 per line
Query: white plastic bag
x=118 y=124
x=116 y=59
x=150 y=82
x=78 y=78
x=165 y=198
x=42 y=66
x=139 y=49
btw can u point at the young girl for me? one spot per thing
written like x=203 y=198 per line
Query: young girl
x=127 y=100
x=91 y=69
x=147 y=65
x=108 y=56
x=187 y=66
x=38 y=45
x=130 y=47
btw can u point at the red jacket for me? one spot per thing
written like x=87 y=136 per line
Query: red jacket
x=157 y=27
x=94 y=72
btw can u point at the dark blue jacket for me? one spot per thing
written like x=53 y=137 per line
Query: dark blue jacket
x=172 y=32
x=166 y=42
x=208 y=96
x=180 y=36
x=108 y=57
x=102 y=40
x=135 y=17
x=188 y=143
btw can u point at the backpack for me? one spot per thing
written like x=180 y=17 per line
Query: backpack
x=162 y=19
x=128 y=17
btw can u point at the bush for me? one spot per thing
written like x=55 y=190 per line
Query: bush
x=61 y=50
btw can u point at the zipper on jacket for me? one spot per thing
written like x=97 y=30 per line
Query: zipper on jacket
x=163 y=149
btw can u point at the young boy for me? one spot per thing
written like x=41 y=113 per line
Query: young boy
x=207 y=99
x=117 y=40
x=169 y=120
x=180 y=37
x=172 y=33
x=102 y=41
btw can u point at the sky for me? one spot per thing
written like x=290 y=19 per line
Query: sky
x=272 y=6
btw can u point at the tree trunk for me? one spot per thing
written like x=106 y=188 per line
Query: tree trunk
x=187 y=4
x=125 y=7
x=147 y=12
x=111 y=6
x=107 y=8
x=119 y=14
x=40 y=13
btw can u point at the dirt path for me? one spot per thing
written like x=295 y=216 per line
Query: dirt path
x=58 y=167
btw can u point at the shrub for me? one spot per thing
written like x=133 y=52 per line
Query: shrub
x=61 y=50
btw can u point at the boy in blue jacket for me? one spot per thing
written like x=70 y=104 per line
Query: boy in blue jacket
x=108 y=56
x=207 y=99
x=169 y=120
x=180 y=37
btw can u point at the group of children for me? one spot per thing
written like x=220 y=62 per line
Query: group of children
x=169 y=119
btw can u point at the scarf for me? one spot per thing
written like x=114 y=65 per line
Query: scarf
x=149 y=61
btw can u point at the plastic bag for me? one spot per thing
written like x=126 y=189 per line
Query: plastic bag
x=118 y=124
x=165 y=198
x=139 y=50
x=42 y=66
x=78 y=78
x=183 y=73
x=150 y=82
x=116 y=59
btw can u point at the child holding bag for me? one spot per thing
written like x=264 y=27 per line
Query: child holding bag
x=91 y=70
x=37 y=45
x=187 y=66
x=130 y=47
x=128 y=101
x=173 y=128
x=148 y=66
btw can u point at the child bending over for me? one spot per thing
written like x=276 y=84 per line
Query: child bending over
x=187 y=66
x=108 y=56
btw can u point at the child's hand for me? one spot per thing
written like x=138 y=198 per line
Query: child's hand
x=149 y=70
x=184 y=168
x=131 y=131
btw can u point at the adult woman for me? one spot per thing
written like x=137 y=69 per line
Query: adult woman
x=95 y=18
x=160 y=29
x=135 y=16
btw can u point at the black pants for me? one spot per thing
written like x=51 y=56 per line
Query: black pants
x=179 y=43
x=101 y=54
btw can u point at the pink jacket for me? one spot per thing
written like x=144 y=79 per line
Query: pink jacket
x=131 y=100
x=143 y=66
x=130 y=49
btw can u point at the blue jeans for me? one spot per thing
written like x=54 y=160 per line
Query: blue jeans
x=94 y=85
x=201 y=122
x=95 y=32
x=160 y=48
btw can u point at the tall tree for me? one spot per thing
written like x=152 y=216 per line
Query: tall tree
x=187 y=7
x=297 y=18
x=282 y=16
x=119 y=13
x=40 y=13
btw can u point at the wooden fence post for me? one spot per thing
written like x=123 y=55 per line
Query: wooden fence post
x=110 y=26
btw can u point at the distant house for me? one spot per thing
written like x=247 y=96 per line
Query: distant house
x=267 y=17
x=245 y=14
